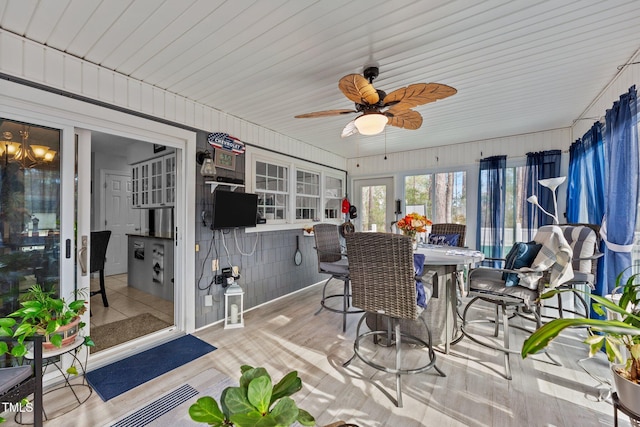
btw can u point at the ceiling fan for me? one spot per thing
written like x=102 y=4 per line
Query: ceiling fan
x=379 y=109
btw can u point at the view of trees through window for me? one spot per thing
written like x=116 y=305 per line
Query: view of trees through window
x=374 y=208
x=442 y=197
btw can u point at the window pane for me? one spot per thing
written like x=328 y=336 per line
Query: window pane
x=417 y=190
x=450 y=198
x=374 y=208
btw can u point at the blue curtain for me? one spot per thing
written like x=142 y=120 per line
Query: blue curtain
x=491 y=206
x=621 y=194
x=540 y=165
x=585 y=186
x=585 y=190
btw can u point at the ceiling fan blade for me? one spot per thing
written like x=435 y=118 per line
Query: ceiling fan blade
x=358 y=89
x=418 y=94
x=404 y=118
x=349 y=129
x=325 y=113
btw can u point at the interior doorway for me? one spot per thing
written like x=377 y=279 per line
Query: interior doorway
x=139 y=266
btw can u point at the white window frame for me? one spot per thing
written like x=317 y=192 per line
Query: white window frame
x=254 y=154
x=327 y=197
x=306 y=196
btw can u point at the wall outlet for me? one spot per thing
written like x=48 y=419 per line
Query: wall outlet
x=235 y=271
x=208 y=300
x=214 y=265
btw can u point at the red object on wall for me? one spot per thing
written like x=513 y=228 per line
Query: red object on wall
x=345 y=205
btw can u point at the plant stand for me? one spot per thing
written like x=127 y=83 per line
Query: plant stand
x=81 y=390
x=633 y=417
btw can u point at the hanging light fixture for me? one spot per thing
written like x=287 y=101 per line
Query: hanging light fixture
x=371 y=123
x=28 y=155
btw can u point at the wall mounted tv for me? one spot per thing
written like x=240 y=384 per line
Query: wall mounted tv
x=234 y=210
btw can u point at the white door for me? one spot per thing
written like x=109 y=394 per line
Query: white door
x=119 y=217
x=374 y=200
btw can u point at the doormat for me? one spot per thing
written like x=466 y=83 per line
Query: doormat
x=119 y=377
x=121 y=331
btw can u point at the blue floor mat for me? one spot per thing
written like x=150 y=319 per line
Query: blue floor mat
x=114 y=379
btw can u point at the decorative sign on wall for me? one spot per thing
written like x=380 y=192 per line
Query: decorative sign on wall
x=226 y=142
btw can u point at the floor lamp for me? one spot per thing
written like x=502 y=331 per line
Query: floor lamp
x=552 y=184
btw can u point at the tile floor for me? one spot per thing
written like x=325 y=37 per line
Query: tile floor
x=125 y=302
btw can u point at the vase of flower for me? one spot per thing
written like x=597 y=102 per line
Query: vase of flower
x=412 y=224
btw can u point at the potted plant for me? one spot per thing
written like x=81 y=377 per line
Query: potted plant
x=256 y=402
x=42 y=313
x=622 y=329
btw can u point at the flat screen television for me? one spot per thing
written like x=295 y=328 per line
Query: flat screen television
x=234 y=210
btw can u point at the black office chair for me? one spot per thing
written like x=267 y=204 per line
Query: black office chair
x=99 y=243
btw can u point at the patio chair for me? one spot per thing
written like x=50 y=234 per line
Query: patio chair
x=516 y=289
x=449 y=230
x=383 y=282
x=584 y=240
x=332 y=261
x=20 y=381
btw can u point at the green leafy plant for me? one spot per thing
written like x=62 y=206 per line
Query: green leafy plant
x=41 y=313
x=256 y=402
x=609 y=332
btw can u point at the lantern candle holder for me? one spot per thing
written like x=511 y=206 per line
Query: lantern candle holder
x=234 y=307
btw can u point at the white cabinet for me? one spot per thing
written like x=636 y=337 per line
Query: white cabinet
x=153 y=182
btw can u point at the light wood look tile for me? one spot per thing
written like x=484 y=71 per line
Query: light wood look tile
x=285 y=335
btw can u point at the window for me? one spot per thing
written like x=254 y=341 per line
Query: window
x=292 y=192
x=272 y=188
x=442 y=197
x=332 y=197
x=307 y=195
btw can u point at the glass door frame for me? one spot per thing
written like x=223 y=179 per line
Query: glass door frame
x=389 y=183
x=22 y=103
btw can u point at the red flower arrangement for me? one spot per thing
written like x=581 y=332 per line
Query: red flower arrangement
x=413 y=223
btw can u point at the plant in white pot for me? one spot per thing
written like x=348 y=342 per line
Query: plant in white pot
x=621 y=328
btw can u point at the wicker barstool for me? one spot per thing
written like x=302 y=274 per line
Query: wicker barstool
x=450 y=228
x=332 y=261
x=383 y=282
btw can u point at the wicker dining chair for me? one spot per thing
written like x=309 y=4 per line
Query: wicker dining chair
x=332 y=261
x=450 y=228
x=383 y=282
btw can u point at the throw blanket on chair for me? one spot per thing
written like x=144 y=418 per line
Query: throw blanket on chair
x=555 y=255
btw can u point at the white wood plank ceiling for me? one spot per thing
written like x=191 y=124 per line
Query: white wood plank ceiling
x=519 y=66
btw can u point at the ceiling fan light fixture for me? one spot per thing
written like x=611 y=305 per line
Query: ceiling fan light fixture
x=371 y=124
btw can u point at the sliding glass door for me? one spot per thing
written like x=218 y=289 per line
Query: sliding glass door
x=37 y=210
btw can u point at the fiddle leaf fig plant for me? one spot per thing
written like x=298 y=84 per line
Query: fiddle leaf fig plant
x=610 y=332
x=255 y=402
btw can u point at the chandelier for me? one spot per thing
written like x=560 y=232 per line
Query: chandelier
x=26 y=154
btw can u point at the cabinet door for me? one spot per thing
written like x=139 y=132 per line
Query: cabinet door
x=145 y=184
x=156 y=178
x=170 y=179
x=135 y=186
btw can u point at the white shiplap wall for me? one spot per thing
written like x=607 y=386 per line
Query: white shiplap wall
x=38 y=63
x=459 y=155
